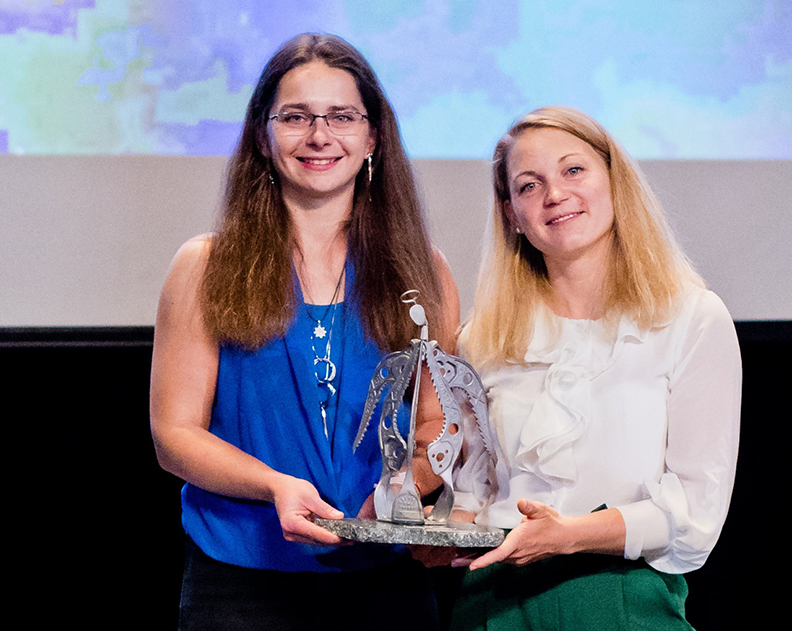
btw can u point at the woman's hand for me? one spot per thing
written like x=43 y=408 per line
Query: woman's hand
x=296 y=501
x=541 y=534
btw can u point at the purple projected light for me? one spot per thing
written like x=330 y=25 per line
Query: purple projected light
x=669 y=80
x=54 y=18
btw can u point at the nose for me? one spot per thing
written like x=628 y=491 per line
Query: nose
x=555 y=193
x=319 y=132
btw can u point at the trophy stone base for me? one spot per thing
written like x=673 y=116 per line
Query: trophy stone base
x=459 y=534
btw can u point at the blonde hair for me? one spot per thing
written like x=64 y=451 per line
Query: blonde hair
x=647 y=267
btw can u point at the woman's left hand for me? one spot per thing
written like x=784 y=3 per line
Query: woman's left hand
x=540 y=535
x=543 y=533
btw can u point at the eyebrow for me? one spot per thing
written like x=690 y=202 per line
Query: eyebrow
x=530 y=172
x=307 y=108
x=569 y=155
x=521 y=173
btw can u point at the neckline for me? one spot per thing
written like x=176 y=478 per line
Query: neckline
x=347 y=272
x=574 y=320
x=329 y=304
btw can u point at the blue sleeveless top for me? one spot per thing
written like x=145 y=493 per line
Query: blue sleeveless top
x=267 y=404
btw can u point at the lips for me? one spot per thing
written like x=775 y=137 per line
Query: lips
x=318 y=162
x=559 y=219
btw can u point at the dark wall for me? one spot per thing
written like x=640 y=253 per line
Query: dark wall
x=97 y=536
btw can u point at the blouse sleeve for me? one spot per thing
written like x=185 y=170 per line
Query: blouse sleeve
x=677 y=525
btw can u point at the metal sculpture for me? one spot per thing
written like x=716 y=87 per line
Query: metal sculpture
x=457 y=384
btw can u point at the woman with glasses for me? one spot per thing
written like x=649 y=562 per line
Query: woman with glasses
x=268 y=332
x=614 y=383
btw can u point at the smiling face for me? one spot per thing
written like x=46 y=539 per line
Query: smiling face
x=560 y=197
x=318 y=165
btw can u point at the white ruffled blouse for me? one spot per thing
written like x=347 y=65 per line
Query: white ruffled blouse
x=643 y=421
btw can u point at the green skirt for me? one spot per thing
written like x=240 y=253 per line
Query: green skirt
x=566 y=593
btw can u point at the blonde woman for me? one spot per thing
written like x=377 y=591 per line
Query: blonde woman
x=614 y=381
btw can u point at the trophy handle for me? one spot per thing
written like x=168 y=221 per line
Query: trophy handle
x=407 y=508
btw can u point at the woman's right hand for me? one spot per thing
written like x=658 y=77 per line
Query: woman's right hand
x=296 y=501
x=183 y=378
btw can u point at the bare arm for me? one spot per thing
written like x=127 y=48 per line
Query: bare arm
x=183 y=377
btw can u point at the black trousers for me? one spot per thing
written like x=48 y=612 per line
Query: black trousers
x=217 y=596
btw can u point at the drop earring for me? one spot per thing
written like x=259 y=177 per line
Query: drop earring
x=269 y=174
x=368 y=159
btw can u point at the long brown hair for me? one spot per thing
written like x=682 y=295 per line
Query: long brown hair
x=248 y=289
x=647 y=267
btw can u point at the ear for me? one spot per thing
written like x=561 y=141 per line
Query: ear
x=508 y=214
x=262 y=141
x=371 y=144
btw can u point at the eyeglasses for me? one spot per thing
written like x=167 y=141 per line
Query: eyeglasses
x=297 y=122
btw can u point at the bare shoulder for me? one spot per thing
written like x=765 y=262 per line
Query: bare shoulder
x=179 y=301
x=444 y=270
x=180 y=329
x=193 y=253
x=451 y=306
x=187 y=266
x=440 y=259
x=199 y=241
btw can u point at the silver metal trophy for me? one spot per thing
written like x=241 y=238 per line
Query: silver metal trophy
x=400 y=514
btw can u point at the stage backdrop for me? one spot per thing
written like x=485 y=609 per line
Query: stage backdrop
x=117 y=116
x=86 y=241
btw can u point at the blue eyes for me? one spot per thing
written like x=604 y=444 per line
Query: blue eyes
x=533 y=185
x=293 y=118
x=530 y=186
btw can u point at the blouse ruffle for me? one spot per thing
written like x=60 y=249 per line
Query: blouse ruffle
x=576 y=354
x=662 y=403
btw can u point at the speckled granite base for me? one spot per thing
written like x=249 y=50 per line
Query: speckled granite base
x=458 y=534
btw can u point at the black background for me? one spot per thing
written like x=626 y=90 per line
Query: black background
x=95 y=527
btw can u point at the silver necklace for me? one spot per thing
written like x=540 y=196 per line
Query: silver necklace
x=324 y=368
x=319 y=330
